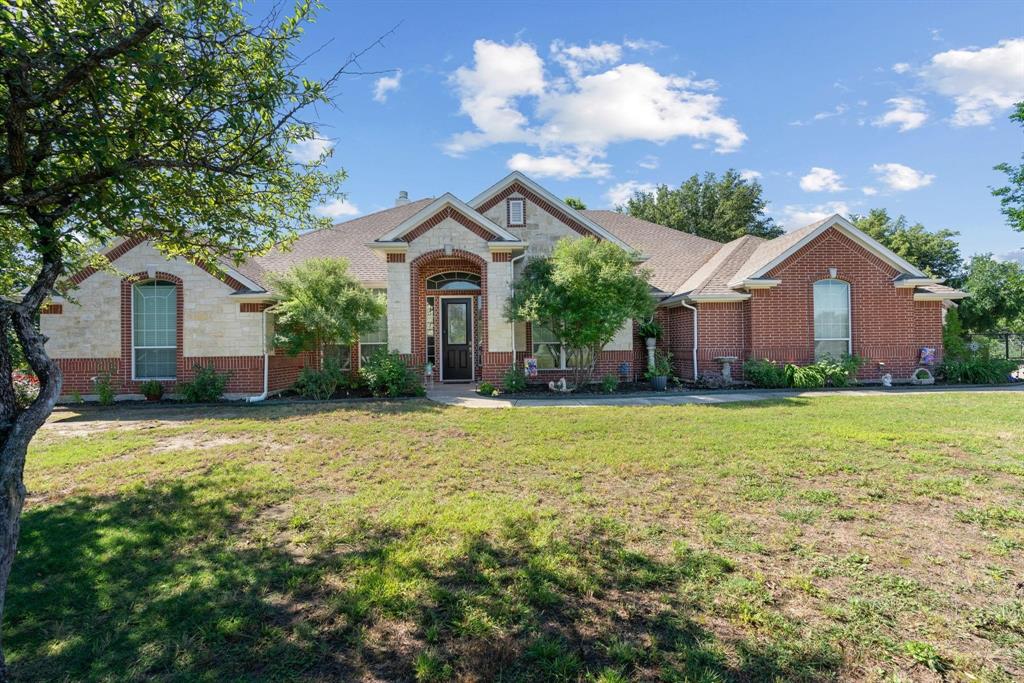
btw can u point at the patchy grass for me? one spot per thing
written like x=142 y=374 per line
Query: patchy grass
x=855 y=538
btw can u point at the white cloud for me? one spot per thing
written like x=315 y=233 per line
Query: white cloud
x=901 y=67
x=869 y=191
x=386 y=84
x=907 y=112
x=577 y=59
x=306 y=151
x=339 y=208
x=650 y=162
x=617 y=195
x=822 y=115
x=641 y=44
x=635 y=102
x=558 y=166
x=795 y=216
x=900 y=178
x=821 y=180
x=982 y=82
x=747 y=174
x=488 y=93
x=597 y=103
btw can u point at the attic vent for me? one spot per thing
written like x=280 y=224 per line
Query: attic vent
x=516 y=212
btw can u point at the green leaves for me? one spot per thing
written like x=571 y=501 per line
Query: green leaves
x=936 y=253
x=320 y=303
x=584 y=292
x=718 y=209
x=1011 y=196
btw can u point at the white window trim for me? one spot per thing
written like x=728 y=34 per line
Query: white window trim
x=849 y=317
x=135 y=377
x=522 y=205
x=562 y=355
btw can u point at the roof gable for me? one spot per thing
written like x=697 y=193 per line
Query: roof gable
x=221 y=271
x=517 y=183
x=447 y=206
x=773 y=252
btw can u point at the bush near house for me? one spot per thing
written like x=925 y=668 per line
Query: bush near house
x=386 y=374
x=206 y=386
x=826 y=372
x=320 y=384
x=26 y=388
x=514 y=380
x=977 y=369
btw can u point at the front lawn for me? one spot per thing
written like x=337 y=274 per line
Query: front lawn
x=833 y=537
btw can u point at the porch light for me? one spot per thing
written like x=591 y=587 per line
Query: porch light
x=832 y=272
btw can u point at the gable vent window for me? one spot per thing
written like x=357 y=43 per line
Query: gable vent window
x=517 y=212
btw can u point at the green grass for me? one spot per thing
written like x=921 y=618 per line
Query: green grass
x=860 y=538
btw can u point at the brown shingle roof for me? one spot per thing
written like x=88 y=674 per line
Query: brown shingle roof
x=346 y=240
x=674 y=255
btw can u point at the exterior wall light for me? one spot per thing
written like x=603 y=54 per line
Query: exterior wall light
x=832 y=272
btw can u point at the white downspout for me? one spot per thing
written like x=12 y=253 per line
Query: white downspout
x=511 y=279
x=266 y=364
x=694 y=309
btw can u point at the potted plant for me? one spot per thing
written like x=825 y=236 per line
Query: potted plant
x=651 y=332
x=659 y=370
x=152 y=390
x=922 y=376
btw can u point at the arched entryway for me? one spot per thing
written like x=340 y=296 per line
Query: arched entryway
x=449 y=313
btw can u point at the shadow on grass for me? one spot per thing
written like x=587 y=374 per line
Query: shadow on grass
x=178 y=581
x=266 y=411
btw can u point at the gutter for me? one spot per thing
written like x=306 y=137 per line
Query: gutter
x=266 y=363
x=694 y=309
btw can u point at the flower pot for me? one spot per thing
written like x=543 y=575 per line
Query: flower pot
x=659 y=383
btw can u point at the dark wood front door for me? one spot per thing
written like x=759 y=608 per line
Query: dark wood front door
x=456 y=339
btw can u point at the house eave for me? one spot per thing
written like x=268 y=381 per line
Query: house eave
x=755 y=283
x=910 y=282
x=933 y=296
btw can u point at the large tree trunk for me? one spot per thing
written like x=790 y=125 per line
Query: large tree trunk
x=17 y=427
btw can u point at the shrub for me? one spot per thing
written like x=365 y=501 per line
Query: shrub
x=977 y=370
x=104 y=387
x=954 y=344
x=609 y=383
x=514 y=380
x=151 y=389
x=320 y=384
x=765 y=374
x=825 y=373
x=662 y=365
x=26 y=388
x=386 y=374
x=486 y=389
x=207 y=385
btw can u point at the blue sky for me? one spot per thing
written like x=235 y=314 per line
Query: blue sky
x=837 y=107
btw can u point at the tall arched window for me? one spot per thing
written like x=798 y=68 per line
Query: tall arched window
x=831 y=319
x=154 y=330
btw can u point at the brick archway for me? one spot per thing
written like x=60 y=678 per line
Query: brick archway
x=124 y=365
x=432 y=263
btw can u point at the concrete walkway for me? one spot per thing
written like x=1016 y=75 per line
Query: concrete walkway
x=465 y=396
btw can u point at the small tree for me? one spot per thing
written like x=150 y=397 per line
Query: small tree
x=576 y=203
x=320 y=303
x=584 y=293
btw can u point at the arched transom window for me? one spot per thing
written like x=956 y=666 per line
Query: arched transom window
x=454 y=280
x=154 y=330
x=831 y=319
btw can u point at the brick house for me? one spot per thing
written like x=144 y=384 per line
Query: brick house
x=447 y=267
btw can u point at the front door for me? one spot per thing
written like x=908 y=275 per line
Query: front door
x=456 y=339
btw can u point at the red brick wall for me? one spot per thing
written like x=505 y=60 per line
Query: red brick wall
x=887 y=324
